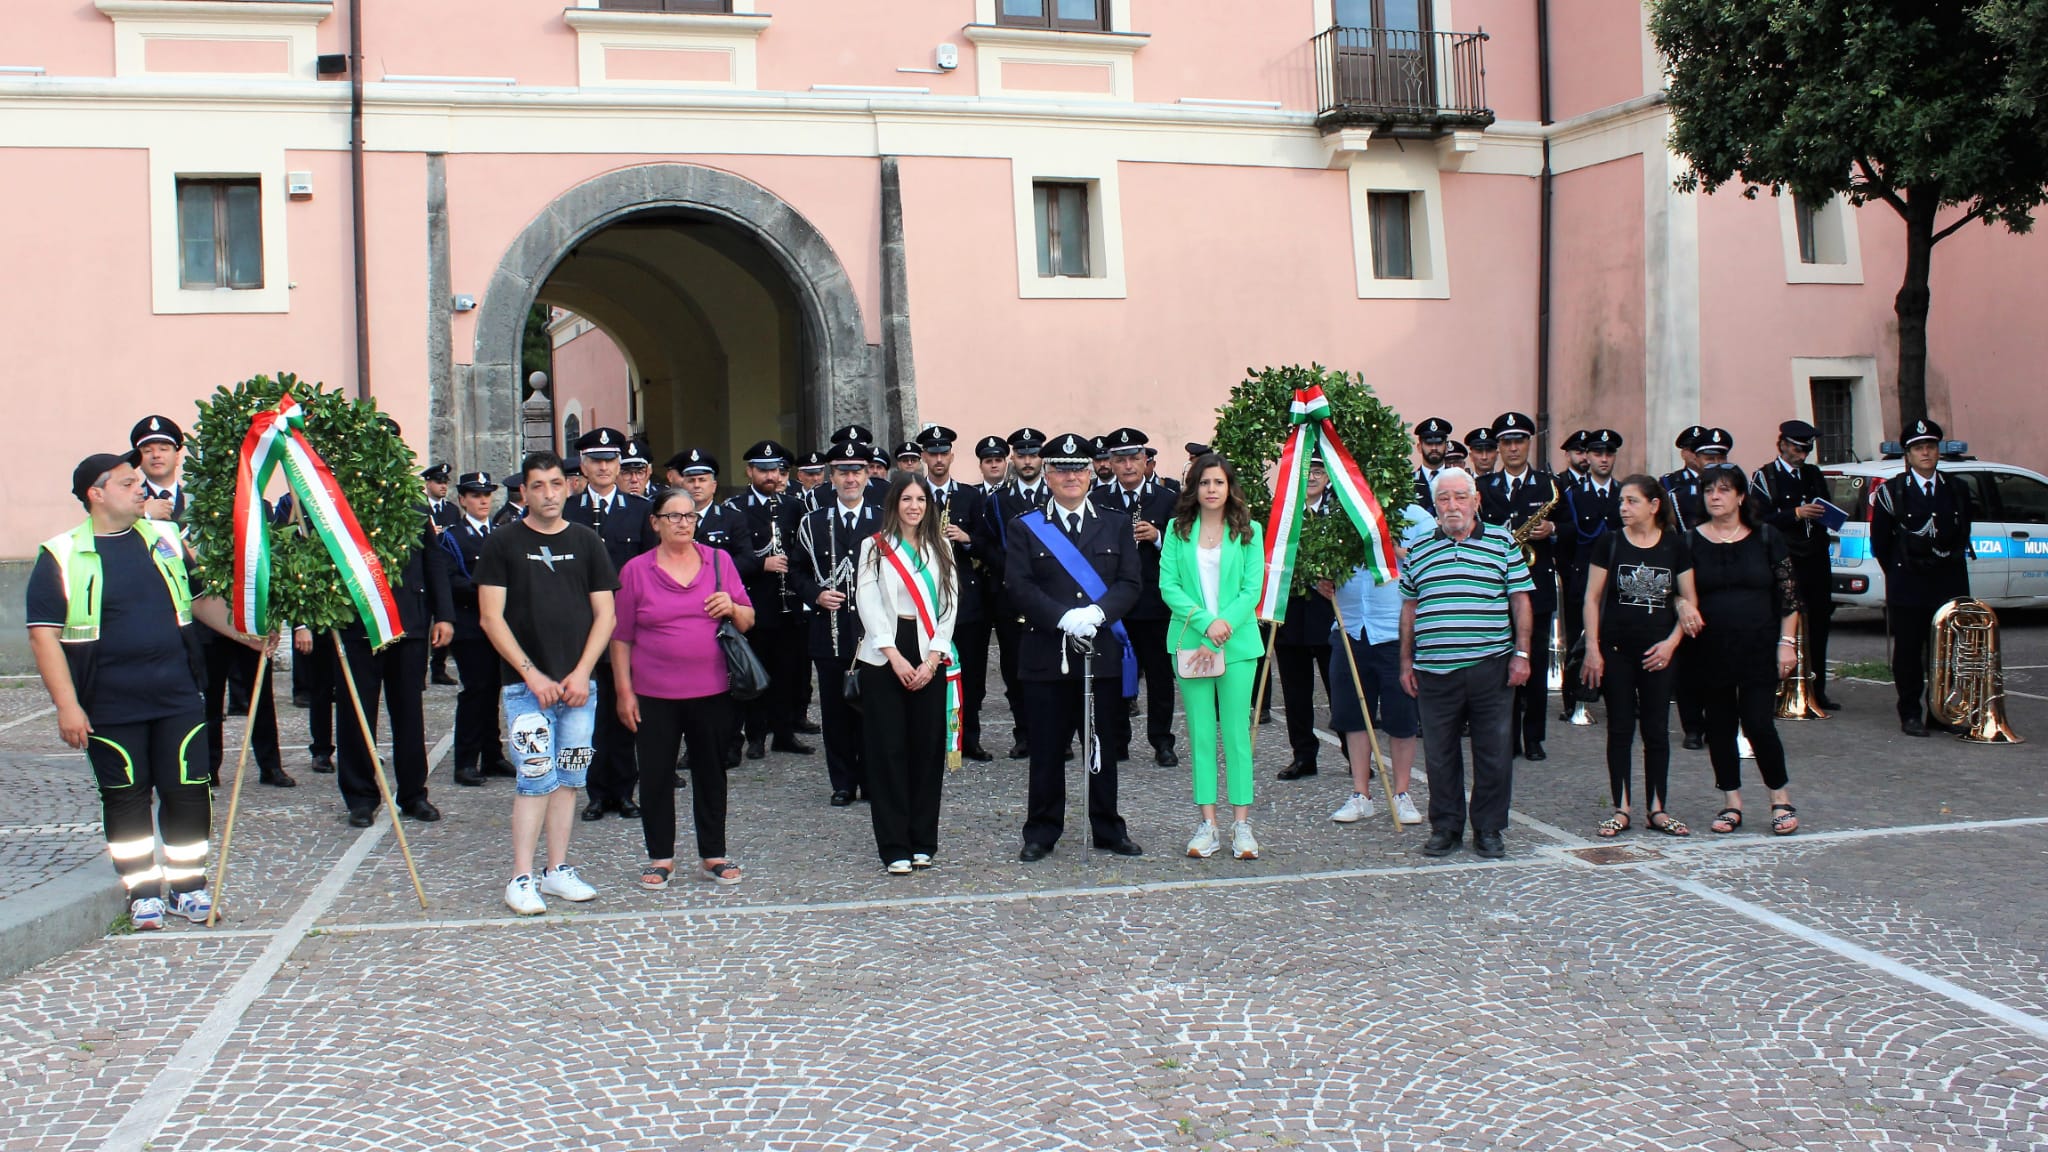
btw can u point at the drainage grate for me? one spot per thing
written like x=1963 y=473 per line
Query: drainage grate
x=1617 y=854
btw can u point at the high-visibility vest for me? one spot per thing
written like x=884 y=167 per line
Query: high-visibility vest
x=78 y=566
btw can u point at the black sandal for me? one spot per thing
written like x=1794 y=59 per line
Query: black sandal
x=1784 y=820
x=654 y=877
x=1732 y=817
x=1671 y=825
x=1614 y=825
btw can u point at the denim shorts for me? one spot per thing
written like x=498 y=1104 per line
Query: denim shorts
x=550 y=746
x=1379 y=669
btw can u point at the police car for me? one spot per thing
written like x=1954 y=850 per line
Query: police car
x=2008 y=534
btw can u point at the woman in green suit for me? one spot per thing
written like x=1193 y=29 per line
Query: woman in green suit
x=1211 y=567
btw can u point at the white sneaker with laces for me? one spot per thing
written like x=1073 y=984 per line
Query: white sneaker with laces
x=1404 y=810
x=920 y=860
x=523 y=897
x=195 y=905
x=1353 y=810
x=1205 y=843
x=1242 y=845
x=147 y=914
x=899 y=867
x=563 y=881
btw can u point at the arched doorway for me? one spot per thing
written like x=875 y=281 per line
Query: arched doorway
x=738 y=318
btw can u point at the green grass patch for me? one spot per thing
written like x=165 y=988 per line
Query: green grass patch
x=123 y=925
x=1864 y=670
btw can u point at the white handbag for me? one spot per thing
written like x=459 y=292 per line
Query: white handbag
x=1184 y=660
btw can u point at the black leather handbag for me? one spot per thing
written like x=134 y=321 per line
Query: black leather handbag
x=746 y=677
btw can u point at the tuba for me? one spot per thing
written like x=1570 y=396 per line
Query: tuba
x=1967 y=688
x=1795 y=692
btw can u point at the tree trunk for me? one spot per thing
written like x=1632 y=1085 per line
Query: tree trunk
x=1911 y=304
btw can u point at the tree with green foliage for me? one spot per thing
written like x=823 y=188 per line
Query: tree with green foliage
x=1932 y=107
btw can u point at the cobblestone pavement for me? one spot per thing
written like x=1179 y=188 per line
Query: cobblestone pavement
x=1874 y=983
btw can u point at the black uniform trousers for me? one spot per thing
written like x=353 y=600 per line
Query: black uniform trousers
x=1816 y=579
x=1009 y=634
x=971 y=638
x=1052 y=710
x=844 y=739
x=614 y=766
x=1689 y=690
x=323 y=681
x=398 y=675
x=1909 y=625
x=1155 y=664
x=479 y=739
x=227 y=660
x=784 y=650
x=132 y=762
x=905 y=735
x=1532 y=700
x=1299 y=665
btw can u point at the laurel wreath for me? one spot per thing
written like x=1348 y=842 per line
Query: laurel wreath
x=1252 y=427
x=373 y=466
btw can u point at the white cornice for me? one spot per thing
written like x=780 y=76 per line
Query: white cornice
x=601 y=20
x=219 y=11
x=1047 y=38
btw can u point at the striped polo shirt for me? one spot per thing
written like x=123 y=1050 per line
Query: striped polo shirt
x=1460 y=589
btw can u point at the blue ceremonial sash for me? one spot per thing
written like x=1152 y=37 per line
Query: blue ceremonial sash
x=447 y=541
x=1084 y=574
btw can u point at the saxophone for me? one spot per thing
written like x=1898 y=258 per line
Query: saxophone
x=1521 y=532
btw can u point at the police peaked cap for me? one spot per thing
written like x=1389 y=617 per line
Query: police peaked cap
x=438 y=473
x=475 y=483
x=1716 y=440
x=601 y=442
x=991 y=448
x=848 y=452
x=1070 y=449
x=909 y=448
x=1027 y=441
x=1126 y=441
x=853 y=434
x=1434 y=428
x=768 y=454
x=1576 y=442
x=1690 y=438
x=1799 y=432
x=151 y=428
x=811 y=462
x=936 y=438
x=1604 y=440
x=695 y=462
x=1919 y=431
x=636 y=452
x=1481 y=440
x=1512 y=424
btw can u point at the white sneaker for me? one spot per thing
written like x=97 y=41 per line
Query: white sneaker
x=1205 y=843
x=564 y=882
x=1353 y=810
x=146 y=914
x=899 y=867
x=522 y=897
x=195 y=905
x=1242 y=845
x=920 y=860
x=1404 y=810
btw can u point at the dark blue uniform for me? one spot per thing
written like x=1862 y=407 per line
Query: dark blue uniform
x=825 y=552
x=622 y=522
x=479 y=742
x=1776 y=492
x=1147 y=620
x=779 y=637
x=1000 y=506
x=1511 y=504
x=1923 y=544
x=963 y=505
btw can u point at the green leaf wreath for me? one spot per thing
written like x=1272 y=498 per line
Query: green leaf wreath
x=372 y=464
x=1253 y=426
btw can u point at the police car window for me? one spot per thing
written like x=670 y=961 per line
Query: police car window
x=1846 y=493
x=2022 y=499
x=1982 y=506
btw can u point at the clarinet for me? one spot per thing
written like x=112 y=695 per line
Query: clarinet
x=775 y=549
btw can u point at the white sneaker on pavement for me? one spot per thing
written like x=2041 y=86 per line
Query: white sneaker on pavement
x=1353 y=810
x=1404 y=810
x=898 y=868
x=523 y=897
x=1242 y=845
x=195 y=905
x=1205 y=843
x=147 y=914
x=563 y=881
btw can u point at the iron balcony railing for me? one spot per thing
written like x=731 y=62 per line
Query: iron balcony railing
x=1394 y=79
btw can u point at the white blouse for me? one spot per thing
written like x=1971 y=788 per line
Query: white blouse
x=1209 y=565
x=882 y=600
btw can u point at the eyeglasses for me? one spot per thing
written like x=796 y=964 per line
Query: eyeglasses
x=677 y=519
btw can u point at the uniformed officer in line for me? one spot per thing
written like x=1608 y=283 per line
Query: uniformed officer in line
x=635 y=470
x=1700 y=447
x=909 y=457
x=1510 y=498
x=1152 y=472
x=810 y=480
x=442 y=511
x=879 y=463
x=1105 y=473
x=992 y=457
x=1149 y=507
x=1484 y=450
x=1456 y=455
x=1592 y=510
x=718 y=526
x=1575 y=469
x=780 y=636
x=1052 y=671
x=1025 y=492
x=822 y=568
x=1709 y=448
x=514 y=507
x=572 y=471
x=160 y=444
x=960 y=506
x=1682 y=483
x=622 y=521
x=1920 y=533
x=1430 y=437
x=479 y=739
x=1301 y=648
x=1786 y=494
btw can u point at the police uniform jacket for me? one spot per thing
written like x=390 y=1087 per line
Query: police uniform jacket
x=962 y=504
x=718 y=526
x=1776 y=491
x=626 y=531
x=507 y=513
x=1496 y=506
x=1683 y=486
x=1041 y=592
x=1000 y=508
x=1154 y=505
x=1589 y=515
x=464 y=546
x=1309 y=619
x=444 y=512
x=175 y=494
x=824 y=547
x=1424 y=477
x=1921 y=542
x=766 y=518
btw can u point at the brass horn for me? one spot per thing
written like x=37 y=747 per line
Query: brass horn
x=1795 y=692
x=1967 y=688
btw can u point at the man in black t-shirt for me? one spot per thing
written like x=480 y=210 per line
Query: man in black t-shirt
x=110 y=614
x=544 y=595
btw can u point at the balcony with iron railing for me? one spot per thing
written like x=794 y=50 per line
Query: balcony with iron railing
x=1401 y=82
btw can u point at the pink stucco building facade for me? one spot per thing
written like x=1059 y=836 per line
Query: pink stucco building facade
x=1074 y=214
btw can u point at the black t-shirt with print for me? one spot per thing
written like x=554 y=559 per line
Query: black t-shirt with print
x=547 y=580
x=1640 y=605
x=140 y=670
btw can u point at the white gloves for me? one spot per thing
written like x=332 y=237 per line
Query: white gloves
x=1081 y=623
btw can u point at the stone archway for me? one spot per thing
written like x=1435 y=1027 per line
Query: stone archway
x=479 y=416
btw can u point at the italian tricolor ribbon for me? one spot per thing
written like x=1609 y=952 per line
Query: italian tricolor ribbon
x=924 y=593
x=276 y=437
x=1310 y=414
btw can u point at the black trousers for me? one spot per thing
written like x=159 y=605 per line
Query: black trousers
x=1638 y=699
x=323 y=683
x=1571 y=610
x=479 y=738
x=1739 y=689
x=1909 y=625
x=1687 y=690
x=1532 y=700
x=845 y=746
x=398 y=675
x=1155 y=664
x=227 y=660
x=700 y=725
x=971 y=637
x=783 y=649
x=614 y=769
x=1299 y=665
x=132 y=762
x=1009 y=634
x=1477 y=693
x=1816 y=581
x=1052 y=709
x=905 y=736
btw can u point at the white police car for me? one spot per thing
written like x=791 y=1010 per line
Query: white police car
x=2009 y=530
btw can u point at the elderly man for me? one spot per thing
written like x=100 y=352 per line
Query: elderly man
x=1464 y=650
